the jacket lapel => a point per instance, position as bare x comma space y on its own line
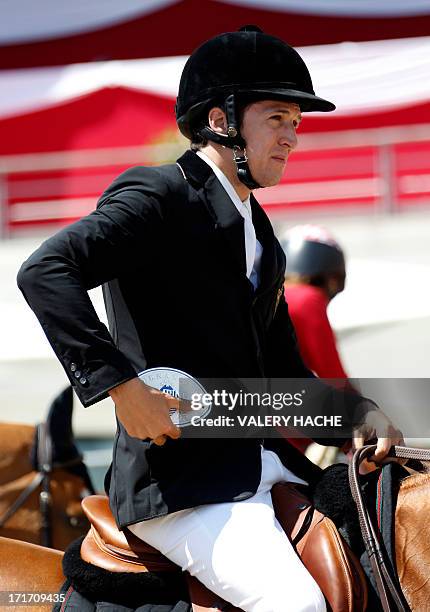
230, 224
270, 258
227, 219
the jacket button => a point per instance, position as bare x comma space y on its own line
73, 367
83, 380
78, 374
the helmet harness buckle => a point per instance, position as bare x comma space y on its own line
239, 155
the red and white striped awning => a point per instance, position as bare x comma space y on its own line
358, 76
129, 102
65, 132
50, 33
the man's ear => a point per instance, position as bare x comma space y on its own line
217, 120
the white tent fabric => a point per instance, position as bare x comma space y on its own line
359, 77
35, 88
48, 19
53, 19
349, 8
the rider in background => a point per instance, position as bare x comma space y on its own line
315, 274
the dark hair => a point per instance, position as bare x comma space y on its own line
197, 140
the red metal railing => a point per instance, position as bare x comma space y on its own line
386, 169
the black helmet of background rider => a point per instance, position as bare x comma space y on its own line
314, 258
233, 70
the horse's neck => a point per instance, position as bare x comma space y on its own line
30, 568
412, 539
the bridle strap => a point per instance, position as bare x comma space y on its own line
31, 487
21, 499
44, 458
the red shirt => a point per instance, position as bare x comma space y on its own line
307, 306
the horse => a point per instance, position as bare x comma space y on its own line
43, 479
412, 551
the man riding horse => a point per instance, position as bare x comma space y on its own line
192, 276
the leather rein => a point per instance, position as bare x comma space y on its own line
42, 478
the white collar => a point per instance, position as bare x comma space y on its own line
231, 191
253, 248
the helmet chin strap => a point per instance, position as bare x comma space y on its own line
233, 140
242, 168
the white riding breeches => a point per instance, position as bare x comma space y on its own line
238, 549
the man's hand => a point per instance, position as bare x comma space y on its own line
144, 411
377, 425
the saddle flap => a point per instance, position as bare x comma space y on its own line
114, 550
321, 548
97, 510
335, 568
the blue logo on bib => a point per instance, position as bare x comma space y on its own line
169, 390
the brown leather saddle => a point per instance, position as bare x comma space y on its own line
314, 536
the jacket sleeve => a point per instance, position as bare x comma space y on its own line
98, 248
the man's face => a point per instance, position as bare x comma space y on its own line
269, 129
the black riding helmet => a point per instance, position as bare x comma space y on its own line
313, 253
241, 67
